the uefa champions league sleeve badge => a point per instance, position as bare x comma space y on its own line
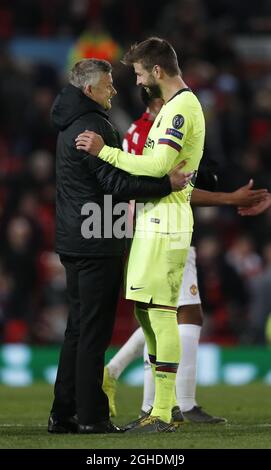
178, 121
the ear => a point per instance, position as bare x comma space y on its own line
157, 71
88, 90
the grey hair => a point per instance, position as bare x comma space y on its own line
88, 72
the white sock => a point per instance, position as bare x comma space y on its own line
187, 370
149, 387
131, 350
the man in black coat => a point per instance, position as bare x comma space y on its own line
93, 264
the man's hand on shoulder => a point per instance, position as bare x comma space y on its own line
178, 179
90, 142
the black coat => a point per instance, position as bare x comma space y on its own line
81, 178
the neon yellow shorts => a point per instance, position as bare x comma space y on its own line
155, 267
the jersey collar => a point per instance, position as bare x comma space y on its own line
179, 92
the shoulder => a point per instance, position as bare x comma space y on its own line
96, 123
184, 109
93, 122
184, 100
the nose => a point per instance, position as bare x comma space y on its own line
114, 91
138, 81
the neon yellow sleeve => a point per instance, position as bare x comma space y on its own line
157, 165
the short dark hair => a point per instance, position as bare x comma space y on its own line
153, 51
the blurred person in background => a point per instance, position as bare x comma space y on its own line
243, 257
260, 307
49, 327
224, 294
18, 256
5, 291
93, 263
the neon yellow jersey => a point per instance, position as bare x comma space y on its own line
177, 134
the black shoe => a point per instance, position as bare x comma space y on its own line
176, 414
105, 427
199, 416
57, 425
136, 422
149, 424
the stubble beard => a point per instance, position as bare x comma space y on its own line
154, 91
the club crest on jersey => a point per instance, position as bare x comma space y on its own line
178, 121
193, 289
159, 122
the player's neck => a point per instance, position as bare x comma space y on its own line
171, 86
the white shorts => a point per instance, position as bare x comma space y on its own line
189, 292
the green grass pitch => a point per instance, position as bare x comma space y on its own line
24, 414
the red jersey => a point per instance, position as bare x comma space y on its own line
133, 142
135, 138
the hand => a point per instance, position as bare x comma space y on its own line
90, 142
245, 196
178, 179
256, 209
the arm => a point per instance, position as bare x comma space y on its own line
120, 184
243, 196
125, 186
157, 163
257, 208
145, 165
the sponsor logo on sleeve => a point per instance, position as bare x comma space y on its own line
174, 132
178, 121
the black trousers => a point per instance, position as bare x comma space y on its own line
93, 288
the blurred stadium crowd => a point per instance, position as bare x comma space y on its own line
224, 59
